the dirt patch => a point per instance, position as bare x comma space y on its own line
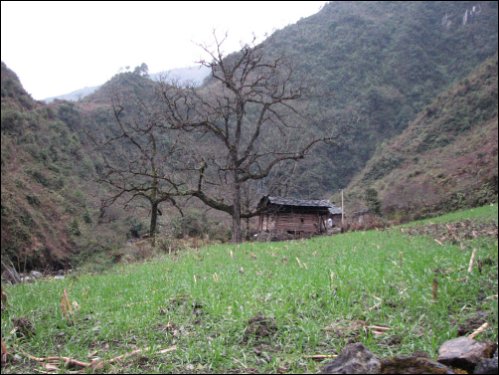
183, 303
454, 232
178, 301
412, 365
472, 323
390, 341
350, 330
173, 329
245, 370
23, 327
260, 327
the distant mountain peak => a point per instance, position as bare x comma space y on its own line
188, 75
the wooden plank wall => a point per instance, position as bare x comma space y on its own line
298, 222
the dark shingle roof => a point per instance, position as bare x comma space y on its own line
322, 203
335, 210
299, 202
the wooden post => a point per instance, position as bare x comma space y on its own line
342, 210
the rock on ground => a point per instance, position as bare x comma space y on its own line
354, 359
487, 366
413, 365
464, 353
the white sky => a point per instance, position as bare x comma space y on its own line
59, 47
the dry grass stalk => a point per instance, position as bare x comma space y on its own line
54, 363
434, 289
4, 353
321, 357
472, 260
4, 300
66, 308
479, 330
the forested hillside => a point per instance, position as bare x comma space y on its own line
446, 159
373, 66
50, 197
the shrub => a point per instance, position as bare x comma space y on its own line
33, 200
372, 201
74, 228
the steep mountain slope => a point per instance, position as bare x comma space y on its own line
447, 157
374, 65
50, 201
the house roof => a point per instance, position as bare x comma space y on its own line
335, 210
364, 211
295, 202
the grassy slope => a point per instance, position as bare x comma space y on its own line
336, 281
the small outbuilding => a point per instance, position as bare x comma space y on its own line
301, 217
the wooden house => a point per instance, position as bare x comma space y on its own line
361, 217
300, 217
365, 219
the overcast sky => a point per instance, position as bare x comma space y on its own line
59, 47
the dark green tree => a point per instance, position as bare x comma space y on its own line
372, 201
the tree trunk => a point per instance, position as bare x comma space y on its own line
236, 213
248, 229
154, 220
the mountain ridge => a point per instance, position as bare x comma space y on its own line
188, 75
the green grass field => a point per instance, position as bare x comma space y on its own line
317, 295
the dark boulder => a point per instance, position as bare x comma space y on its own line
464, 353
354, 359
487, 366
413, 365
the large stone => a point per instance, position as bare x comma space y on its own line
463, 352
36, 274
354, 359
11, 275
487, 366
413, 365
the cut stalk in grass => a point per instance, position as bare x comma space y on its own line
320, 357
472, 260
434, 289
479, 330
53, 363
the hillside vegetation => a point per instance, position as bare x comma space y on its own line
446, 159
373, 67
369, 69
50, 198
263, 307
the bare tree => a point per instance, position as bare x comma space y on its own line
243, 123
145, 161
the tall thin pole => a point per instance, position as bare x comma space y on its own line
342, 210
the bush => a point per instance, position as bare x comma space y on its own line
33, 200
372, 201
196, 224
12, 122
86, 217
39, 177
74, 228
137, 229
192, 224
